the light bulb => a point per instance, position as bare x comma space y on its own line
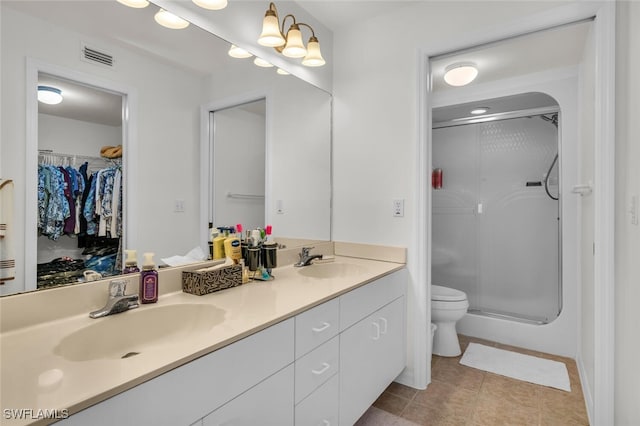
294, 47
169, 20
314, 56
211, 4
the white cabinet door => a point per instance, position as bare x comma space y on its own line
372, 354
269, 403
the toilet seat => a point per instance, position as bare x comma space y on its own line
446, 294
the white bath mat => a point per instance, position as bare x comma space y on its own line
529, 368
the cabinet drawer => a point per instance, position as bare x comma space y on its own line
364, 300
268, 403
321, 408
316, 326
316, 367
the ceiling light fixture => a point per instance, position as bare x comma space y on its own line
479, 110
460, 73
169, 20
290, 45
237, 52
49, 95
211, 4
137, 4
282, 72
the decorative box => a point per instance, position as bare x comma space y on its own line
203, 281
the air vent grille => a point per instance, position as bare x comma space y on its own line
93, 55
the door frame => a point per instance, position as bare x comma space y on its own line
129, 156
601, 408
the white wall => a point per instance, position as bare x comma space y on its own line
167, 139
68, 136
375, 126
627, 314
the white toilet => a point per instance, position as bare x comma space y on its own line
448, 305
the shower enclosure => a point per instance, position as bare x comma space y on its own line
496, 218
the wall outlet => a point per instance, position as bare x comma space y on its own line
398, 208
279, 207
179, 206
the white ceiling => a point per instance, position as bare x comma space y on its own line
136, 29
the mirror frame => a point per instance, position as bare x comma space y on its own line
129, 157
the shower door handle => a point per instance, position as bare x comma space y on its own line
583, 189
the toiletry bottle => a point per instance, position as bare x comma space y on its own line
148, 280
232, 249
130, 262
218, 245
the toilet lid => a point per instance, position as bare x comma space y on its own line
447, 294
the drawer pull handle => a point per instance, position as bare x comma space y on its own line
322, 328
376, 326
324, 368
384, 325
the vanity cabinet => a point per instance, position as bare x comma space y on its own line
192, 391
324, 367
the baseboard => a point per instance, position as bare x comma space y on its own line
586, 390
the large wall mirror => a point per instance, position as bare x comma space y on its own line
172, 80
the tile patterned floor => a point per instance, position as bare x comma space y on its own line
463, 396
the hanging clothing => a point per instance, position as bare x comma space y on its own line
73, 203
7, 257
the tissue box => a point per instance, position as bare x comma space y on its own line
200, 282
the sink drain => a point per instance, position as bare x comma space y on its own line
129, 354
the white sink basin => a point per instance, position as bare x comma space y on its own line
138, 330
330, 270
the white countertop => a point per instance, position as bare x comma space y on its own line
34, 377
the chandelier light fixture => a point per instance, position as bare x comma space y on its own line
290, 45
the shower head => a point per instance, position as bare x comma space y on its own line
553, 119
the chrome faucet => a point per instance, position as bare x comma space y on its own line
118, 301
306, 258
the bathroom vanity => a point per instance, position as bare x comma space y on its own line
315, 346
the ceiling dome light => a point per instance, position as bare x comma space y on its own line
237, 52
211, 4
137, 4
262, 63
169, 20
479, 110
49, 95
460, 73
